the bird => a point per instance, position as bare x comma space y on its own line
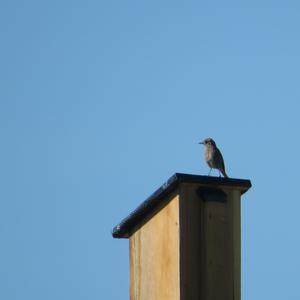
213, 156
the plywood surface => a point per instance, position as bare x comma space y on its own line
189, 250
154, 256
191, 244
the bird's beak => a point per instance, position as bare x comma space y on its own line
201, 143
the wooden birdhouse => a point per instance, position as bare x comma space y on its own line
185, 240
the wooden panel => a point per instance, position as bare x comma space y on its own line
218, 250
154, 256
209, 245
191, 243
189, 249
222, 247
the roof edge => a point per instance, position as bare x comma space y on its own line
125, 227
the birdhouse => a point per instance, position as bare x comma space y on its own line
185, 240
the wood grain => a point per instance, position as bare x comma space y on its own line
189, 249
154, 256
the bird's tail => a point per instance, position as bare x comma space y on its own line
223, 173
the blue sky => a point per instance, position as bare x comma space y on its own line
102, 101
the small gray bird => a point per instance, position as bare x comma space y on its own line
213, 156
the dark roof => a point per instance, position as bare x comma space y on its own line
125, 227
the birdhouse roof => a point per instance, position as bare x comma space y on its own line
125, 228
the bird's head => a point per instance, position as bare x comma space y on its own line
208, 142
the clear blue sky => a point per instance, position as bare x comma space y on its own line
102, 101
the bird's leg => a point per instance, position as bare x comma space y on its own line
209, 172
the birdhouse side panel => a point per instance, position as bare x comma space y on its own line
154, 256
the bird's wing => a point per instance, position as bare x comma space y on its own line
221, 160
